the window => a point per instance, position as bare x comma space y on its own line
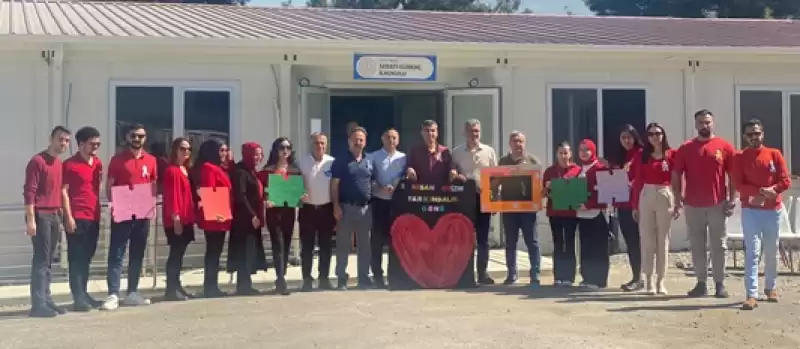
166, 112
596, 113
779, 111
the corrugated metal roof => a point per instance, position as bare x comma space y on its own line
190, 21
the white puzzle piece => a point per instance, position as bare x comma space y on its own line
613, 187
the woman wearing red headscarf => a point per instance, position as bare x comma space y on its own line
178, 214
592, 225
246, 246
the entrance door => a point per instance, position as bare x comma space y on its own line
482, 104
315, 115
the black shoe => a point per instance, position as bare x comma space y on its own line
281, 288
248, 292
379, 282
364, 283
485, 280
342, 284
174, 296
720, 291
94, 303
510, 279
52, 305
324, 284
308, 285
82, 306
699, 290
633, 286
42, 312
185, 293
213, 292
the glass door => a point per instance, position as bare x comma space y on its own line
482, 104
315, 115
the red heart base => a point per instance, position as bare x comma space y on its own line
434, 258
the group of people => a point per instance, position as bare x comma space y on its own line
351, 194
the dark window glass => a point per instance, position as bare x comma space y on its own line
621, 107
766, 106
207, 114
149, 106
574, 116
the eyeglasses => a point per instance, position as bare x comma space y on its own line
285, 147
651, 134
223, 150
94, 144
138, 136
186, 148
752, 134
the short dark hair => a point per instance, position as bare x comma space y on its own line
357, 129
429, 123
85, 134
59, 130
702, 113
133, 127
752, 123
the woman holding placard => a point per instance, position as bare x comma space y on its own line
653, 203
563, 223
630, 146
592, 225
280, 215
214, 184
178, 214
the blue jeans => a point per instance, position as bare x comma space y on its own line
136, 232
761, 228
512, 224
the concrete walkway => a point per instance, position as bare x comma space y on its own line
17, 295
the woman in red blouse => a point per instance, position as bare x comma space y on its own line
280, 219
592, 224
178, 214
653, 203
630, 145
210, 173
563, 223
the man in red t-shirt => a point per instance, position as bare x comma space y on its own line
131, 166
82, 174
705, 162
42, 195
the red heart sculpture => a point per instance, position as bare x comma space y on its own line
434, 258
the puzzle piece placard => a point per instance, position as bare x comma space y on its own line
285, 191
568, 194
613, 187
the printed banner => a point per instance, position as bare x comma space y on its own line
432, 236
511, 189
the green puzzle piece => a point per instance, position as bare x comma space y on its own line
568, 193
285, 191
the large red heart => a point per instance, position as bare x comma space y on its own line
434, 258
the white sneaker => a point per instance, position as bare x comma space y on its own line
557, 283
111, 303
134, 299
661, 289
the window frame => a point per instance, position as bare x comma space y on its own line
599, 88
179, 89
786, 117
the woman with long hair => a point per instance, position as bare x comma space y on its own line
630, 146
280, 219
210, 173
246, 246
563, 223
653, 203
178, 214
592, 225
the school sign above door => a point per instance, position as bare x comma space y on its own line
394, 67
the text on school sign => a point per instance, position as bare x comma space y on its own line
394, 68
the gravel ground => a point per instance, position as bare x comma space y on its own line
488, 317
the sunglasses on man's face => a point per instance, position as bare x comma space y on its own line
94, 144
753, 134
138, 136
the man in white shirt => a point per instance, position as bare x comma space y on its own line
390, 165
316, 216
469, 159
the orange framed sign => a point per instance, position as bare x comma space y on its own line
511, 188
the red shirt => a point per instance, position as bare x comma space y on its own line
125, 169
431, 168
83, 186
704, 165
756, 168
42, 187
554, 172
177, 198
658, 172
213, 176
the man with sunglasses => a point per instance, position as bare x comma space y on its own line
761, 176
129, 167
82, 175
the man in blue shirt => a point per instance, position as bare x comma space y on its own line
351, 188
390, 167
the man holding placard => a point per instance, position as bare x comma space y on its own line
468, 160
132, 175
520, 221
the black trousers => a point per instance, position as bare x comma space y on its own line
594, 235
316, 227
380, 235
177, 249
563, 229
630, 232
215, 241
81, 246
44, 249
280, 223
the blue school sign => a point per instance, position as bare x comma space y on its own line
394, 67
